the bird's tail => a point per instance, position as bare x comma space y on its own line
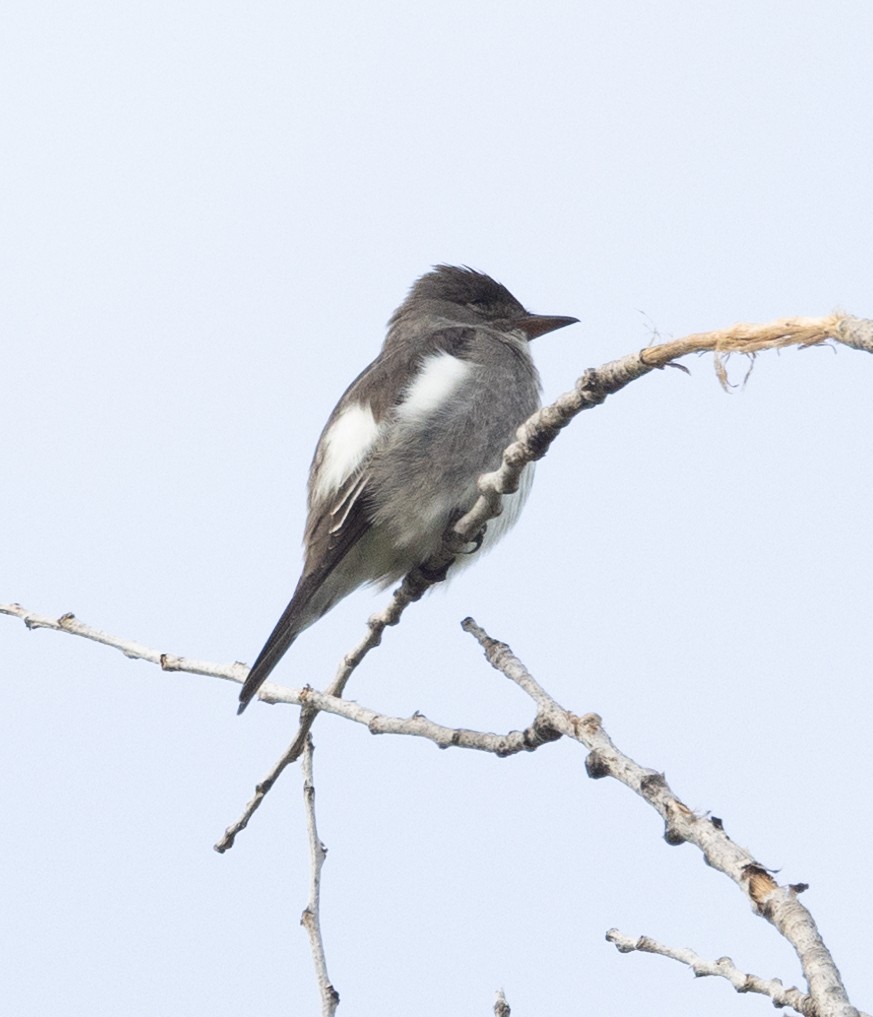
317, 592
325, 581
281, 638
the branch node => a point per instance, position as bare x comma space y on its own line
539, 733
596, 766
590, 389
652, 784
501, 1007
590, 724
673, 836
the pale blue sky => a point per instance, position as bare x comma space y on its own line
208, 213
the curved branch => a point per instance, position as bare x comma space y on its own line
778, 904
724, 967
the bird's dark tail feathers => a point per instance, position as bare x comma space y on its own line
296, 617
320, 587
281, 638
316, 594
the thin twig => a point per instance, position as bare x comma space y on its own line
403, 596
724, 967
419, 726
311, 917
69, 623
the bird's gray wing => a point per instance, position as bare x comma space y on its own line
335, 522
338, 512
330, 535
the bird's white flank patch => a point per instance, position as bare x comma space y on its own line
439, 377
348, 440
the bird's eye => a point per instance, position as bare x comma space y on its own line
480, 303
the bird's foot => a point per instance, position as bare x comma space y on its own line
476, 542
437, 573
450, 537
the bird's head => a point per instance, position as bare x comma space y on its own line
465, 296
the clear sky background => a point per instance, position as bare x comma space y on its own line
209, 211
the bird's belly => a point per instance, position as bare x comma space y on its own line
399, 543
496, 529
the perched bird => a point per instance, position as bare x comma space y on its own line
399, 457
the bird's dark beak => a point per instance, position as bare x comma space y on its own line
534, 325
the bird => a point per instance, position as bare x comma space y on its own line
399, 457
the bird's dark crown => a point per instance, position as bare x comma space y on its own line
465, 287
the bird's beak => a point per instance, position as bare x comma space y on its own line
534, 325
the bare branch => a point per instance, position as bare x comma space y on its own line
724, 967
778, 904
136, 651
418, 725
536, 435
508, 744
311, 917
408, 591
